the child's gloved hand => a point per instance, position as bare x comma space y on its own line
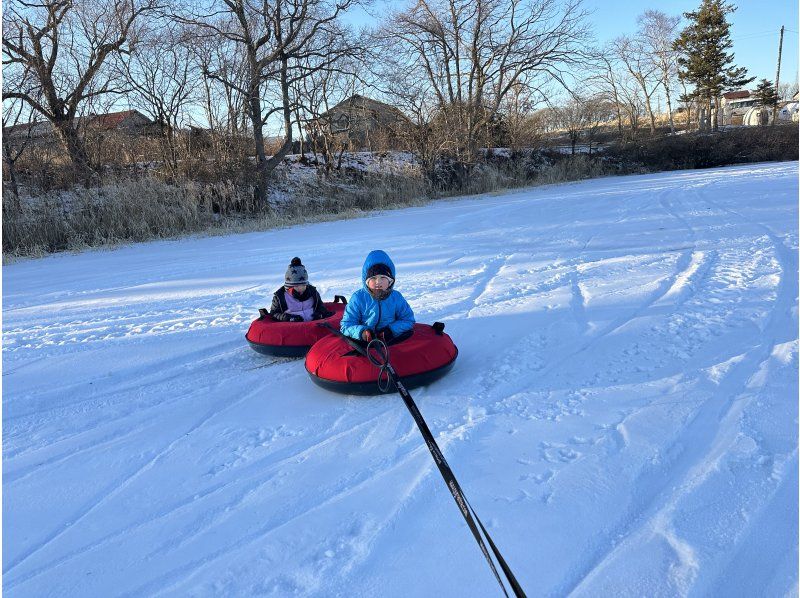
385, 334
295, 318
367, 335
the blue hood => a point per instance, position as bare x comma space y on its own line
376, 257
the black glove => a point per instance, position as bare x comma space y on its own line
386, 334
295, 318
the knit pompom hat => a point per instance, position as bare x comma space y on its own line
296, 273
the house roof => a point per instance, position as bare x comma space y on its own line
736, 95
366, 102
34, 129
112, 120
105, 122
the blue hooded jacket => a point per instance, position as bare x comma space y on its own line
364, 311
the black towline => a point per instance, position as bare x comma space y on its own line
469, 514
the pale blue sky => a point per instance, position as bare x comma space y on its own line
755, 28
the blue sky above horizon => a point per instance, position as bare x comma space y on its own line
755, 28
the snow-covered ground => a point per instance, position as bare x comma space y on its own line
622, 415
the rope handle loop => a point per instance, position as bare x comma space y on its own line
381, 361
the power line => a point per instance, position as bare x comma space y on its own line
754, 35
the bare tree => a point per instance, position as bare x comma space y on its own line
656, 37
632, 55
276, 39
787, 91
65, 45
581, 117
518, 108
157, 72
18, 127
471, 54
688, 99
607, 80
219, 61
317, 94
633, 103
318, 87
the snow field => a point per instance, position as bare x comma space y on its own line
622, 414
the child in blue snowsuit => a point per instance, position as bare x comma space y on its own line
376, 310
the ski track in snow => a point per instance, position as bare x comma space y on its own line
622, 414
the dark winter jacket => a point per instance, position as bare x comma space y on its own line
364, 312
278, 309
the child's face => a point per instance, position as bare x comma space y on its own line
378, 283
300, 289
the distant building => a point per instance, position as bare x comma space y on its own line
734, 105
126, 121
790, 111
362, 123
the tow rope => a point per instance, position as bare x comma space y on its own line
377, 353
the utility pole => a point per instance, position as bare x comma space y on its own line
777, 81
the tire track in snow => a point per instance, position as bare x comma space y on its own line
490, 270
416, 452
133, 379
663, 287
16, 427
251, 476
109, 439
122, 327
118, 486
659, 489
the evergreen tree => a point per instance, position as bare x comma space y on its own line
704, 60
765, 94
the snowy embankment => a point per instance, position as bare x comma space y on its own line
622, 415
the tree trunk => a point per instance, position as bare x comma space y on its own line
12, 172
254, 101
270, 164
651, 115
260, 191
76, 149
669, 110
713, 114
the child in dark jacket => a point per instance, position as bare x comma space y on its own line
296, 300
376, 309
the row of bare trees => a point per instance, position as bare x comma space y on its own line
239, 62
237, 66
632, 71
466, 73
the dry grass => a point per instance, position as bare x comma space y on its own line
141, 209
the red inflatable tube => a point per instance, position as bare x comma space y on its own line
290, 339
419, 360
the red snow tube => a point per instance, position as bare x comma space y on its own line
292, 339
419, 360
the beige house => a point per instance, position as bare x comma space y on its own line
734, 105
361, 123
